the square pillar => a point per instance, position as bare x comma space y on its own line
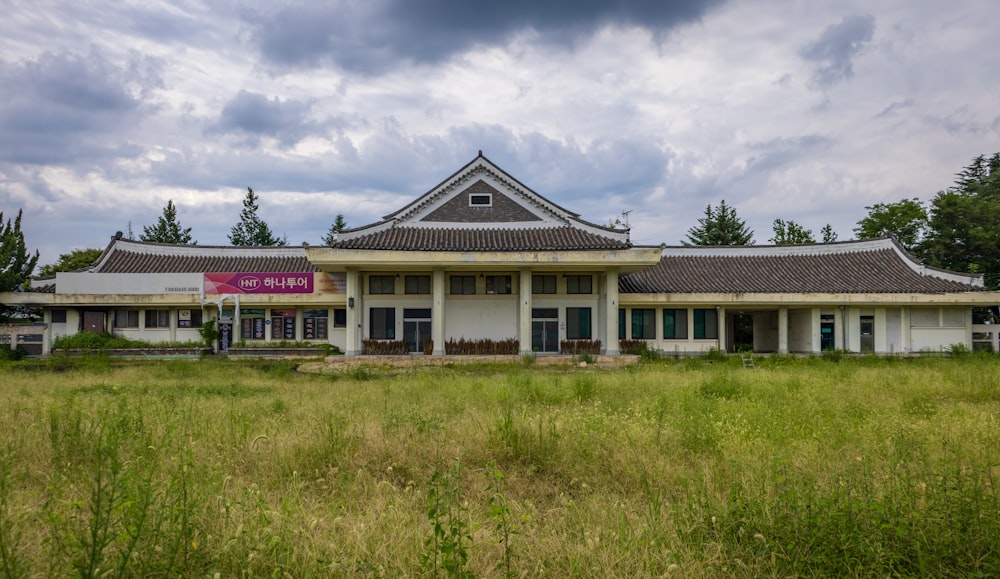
722, 328
524, 312
610, 309
437, 312
355, 316
783, 331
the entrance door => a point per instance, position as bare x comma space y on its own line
545, 329
827, 337
416, 328
867, 334
94, 322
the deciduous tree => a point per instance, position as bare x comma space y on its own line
790, 233
72, 261
963, 230
721, 226
906, 220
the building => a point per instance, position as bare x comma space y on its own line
483, 258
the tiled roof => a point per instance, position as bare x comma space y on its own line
134, 257
877, 270
130, 262
497, 239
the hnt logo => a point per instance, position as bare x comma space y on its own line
249, 283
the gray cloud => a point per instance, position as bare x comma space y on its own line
835, 49
62, 106
380, 35
254, 115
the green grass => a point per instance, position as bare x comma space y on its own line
691, 468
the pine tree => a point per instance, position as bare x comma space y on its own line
252, 230
338, 225
720, 227
16, 264
167, 229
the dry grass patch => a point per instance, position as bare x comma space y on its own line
673, 468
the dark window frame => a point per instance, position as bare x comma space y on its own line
463, 283
505, 281
676, 326
706, 324
543, 284
646, 329
417, 284
382, 323
574, 323
381, 285
580, 284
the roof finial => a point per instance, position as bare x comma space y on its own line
480, 152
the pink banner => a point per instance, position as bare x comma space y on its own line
259, 283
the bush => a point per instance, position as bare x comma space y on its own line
580, 347
484, 347
383, 347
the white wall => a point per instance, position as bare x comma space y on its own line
492, 317
800, 331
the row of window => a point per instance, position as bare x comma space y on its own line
253, 322
675, 324
155, 318
466, 284
382, 321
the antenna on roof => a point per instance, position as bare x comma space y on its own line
625, 216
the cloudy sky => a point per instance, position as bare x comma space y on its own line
802, 110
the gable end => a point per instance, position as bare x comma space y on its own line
469, 207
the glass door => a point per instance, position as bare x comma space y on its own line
545, 330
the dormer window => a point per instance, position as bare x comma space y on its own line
481, 200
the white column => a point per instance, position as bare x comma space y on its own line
352, 343
722, 328
437, 311
611, 306
815, 330
881, 345
524, 318
906, 334
782, 330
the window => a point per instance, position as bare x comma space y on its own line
315, 324
643, 324
381, 284
339, 318
157, 318
621, 324
543, 284
579, 284
463, 285
706, 325
578, 324
252, 324
924, 318
498, 284
383, 323
480, 200
282, 324
675, 324
58, 316
189, 318
126, 318
417, 284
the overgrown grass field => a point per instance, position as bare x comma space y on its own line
799, 467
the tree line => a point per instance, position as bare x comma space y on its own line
959, 230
